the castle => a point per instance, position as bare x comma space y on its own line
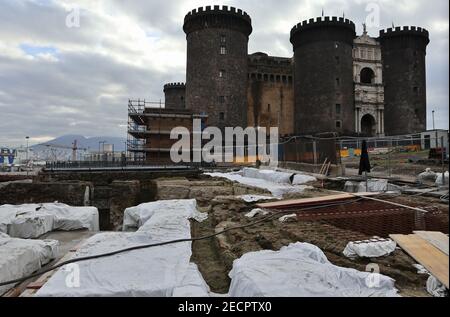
335, 82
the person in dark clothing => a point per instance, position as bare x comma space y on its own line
364, 163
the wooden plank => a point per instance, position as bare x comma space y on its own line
312, 201
438, 239
434, 260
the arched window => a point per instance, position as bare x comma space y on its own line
367, 76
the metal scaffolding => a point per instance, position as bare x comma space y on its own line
137, 128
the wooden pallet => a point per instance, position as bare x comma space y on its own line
426, 254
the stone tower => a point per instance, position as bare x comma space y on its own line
403, 52
323, 75
175, 96
217, 64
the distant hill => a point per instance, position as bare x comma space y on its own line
89, 143
56, 146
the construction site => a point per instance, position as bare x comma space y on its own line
395, 226
353, 205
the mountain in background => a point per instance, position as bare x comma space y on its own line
92, 144
61, 148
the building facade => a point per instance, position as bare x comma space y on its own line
369, 86
336, 82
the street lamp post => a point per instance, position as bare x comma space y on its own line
434, 126
435, 131
26, 155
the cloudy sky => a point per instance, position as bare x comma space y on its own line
57, 80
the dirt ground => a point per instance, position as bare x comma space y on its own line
215, 256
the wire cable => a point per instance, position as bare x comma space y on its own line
146, 246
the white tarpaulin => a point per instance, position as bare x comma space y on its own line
300, 179
302, 270
193, 284
428, 175
288, 218
373, 186
268, 175
440, 179
158, 271
256, 212
20, 257
276, 189
370, 249
436, 288
255, 198
135, 217
33, 220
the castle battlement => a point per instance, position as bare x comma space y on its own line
322, 21
405, 30
224, 10
218, 17
174, 86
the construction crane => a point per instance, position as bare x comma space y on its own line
74, 149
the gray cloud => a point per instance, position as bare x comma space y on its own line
129, 49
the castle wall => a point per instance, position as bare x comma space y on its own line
271, 93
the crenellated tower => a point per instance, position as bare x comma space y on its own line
404, 68
175, 96
217, 64
323, 75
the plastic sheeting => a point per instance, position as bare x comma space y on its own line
33, 220
440, 179
193, 284
288, 218
135, 217
436, 288
255, 198
256, 212
302, 270
370, 248
428, 175
268, 175
161, 271
373, 185
20, 257
300, 179
276, 189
